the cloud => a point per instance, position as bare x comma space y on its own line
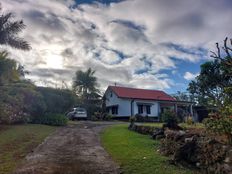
128, 42
190, 76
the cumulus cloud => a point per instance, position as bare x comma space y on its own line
128, 42
190, 76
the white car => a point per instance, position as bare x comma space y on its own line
77, 113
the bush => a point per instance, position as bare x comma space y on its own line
168, 116
219, 124
57, 100
189, 120
51, 119
140, 118
98, 116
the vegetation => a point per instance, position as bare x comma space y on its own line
183, 125
58, 101
212, 86
85, 83
9, 31
220, 124
135, 152
86, 87
16, 141
51, 119
99, 116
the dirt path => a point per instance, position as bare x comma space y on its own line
74, 149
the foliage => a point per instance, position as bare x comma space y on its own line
189, 120
9, 31
168, 116
210, 87
219, 124
16, 141
132, 119
140, 118
51, 119
85, 84
19, 101
136, 153
98, 116
22, 101
57, 100
8, 69
183, 96
86, 87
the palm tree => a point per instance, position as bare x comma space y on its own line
85, 84
9, 31
8, 69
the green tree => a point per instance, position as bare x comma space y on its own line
86, 87
9, 31
8, 69
211, 86
85, 84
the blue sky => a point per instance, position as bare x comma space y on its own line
133, 43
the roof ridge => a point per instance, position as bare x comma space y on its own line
138, 88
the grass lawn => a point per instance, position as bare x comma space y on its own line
136, 153
18, 140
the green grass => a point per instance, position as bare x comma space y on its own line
17, 141
136, 153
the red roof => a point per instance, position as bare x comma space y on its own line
144, 94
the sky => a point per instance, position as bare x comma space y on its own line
152, 44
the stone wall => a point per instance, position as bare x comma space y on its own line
191, 148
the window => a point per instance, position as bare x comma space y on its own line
148, 108
111, 94
140, 109
108, 110
115, 110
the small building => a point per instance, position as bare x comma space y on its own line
123, 102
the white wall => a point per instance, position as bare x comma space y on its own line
154, 107
124, 105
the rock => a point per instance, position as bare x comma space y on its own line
158, 133
197, 151
227, 160
158, 137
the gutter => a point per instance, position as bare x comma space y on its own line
132, 101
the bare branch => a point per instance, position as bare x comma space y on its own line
219, 52
214, 55
226, 48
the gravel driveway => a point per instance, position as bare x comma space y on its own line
74, 149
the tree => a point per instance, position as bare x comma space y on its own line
8, 69
215, 78
183, 96
85, 84
9, 31
86, 87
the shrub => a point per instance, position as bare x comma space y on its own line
132, 119
168, 116
140, 118
57, 100
98, 116
219, 124
51, 119
189, 120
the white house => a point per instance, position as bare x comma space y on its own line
124, 102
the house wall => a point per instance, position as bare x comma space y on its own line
124, 105
154, 107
